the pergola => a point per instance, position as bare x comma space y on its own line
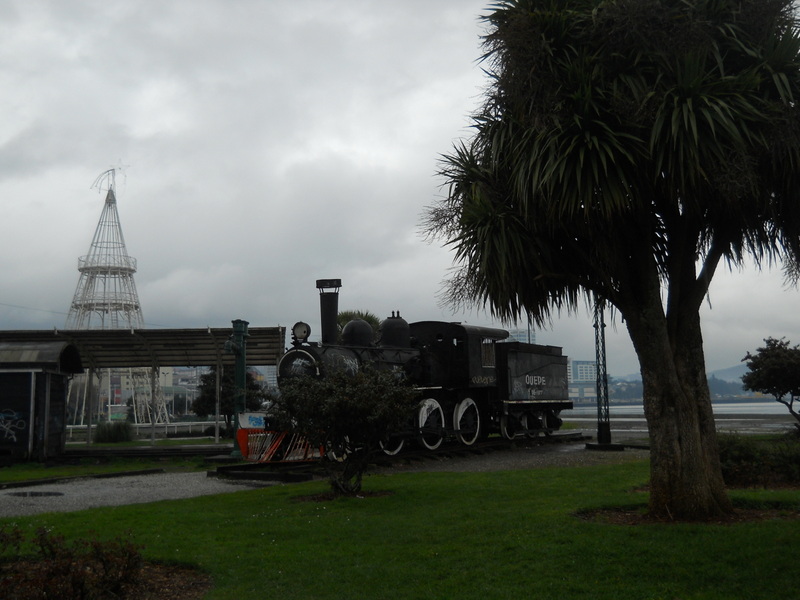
156, 348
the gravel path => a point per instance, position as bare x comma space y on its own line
90, 492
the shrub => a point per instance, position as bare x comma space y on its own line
348, 414
224, 431
82, 570
748, 461
111, 433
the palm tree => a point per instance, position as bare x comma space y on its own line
345, 316
624, 150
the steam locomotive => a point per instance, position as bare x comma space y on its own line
471, 381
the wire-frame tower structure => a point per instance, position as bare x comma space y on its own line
106, 298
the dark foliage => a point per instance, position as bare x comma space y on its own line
347, 415
206, 403
775, 370
720, 388
111, 433
83, 570
751, 462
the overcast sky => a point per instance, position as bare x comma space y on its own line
263, 145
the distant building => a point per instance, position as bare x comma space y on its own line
583, 370
271, 376
583, 381
527, 336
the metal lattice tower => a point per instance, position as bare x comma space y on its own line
106, 297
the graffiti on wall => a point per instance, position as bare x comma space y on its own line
10, 423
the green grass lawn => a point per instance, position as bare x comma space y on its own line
30, 471
456, 535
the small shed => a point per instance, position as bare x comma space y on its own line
34, 380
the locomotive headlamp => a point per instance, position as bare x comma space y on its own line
301, 331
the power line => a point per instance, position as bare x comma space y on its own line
44, 310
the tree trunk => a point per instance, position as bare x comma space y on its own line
685, 474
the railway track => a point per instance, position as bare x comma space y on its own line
186, 451
298, 471
226, 466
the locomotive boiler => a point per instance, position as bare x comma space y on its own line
472, 381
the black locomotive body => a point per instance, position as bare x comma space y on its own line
471, 381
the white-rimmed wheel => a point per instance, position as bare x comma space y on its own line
430, 420
535, 424
553, 420
392, 446
338, 452
467, 421
513, 425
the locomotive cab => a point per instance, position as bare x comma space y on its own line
459, 356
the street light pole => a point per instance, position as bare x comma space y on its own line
603, 416
237, 344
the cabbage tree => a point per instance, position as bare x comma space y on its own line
627, 149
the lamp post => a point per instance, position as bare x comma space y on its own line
603, 416
237, 344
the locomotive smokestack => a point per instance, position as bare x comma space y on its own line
328, 308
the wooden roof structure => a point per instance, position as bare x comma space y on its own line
154, 348
50, 355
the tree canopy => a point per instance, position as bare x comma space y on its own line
349, 415
206, 403
345, 316
775, 370
619, 137
625, 149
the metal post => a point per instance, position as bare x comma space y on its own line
238, 345
87, 394
218, 391
603, 418
153, 384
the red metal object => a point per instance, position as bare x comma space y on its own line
259, 445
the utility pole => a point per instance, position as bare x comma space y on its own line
237, 344
603, 415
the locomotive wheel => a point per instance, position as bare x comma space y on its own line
430, 420
554, 422
511, 425
392, 446
337, 452
467, 421
535, 422
505, 431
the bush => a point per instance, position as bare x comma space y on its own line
224, 431
82, 570
111, 433
347, 414
748, 461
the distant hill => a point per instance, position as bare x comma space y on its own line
730, 387
731, 374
